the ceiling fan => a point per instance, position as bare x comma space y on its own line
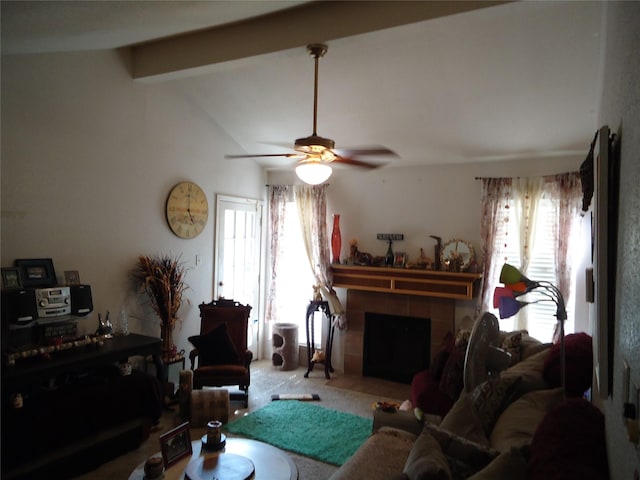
315, 153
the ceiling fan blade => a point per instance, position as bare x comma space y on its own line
355, 162
365, 151
287, 155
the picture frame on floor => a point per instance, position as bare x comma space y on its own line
175, 444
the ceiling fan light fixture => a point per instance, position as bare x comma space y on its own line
314, 144
313, 173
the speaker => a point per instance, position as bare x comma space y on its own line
81, 300
19, 306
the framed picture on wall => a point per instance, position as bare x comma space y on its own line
605, 253
71, 277
11, 278
37, 272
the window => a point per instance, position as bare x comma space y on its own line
533, 224
539, 318
295, 279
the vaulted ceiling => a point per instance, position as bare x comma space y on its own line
437, 82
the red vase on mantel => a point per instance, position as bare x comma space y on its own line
336, 239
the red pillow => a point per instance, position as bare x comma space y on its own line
569, 443
578, 364
440, 358
452, 380
426, 394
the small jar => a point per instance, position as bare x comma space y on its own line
214, 432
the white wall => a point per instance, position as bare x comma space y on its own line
620, 109
88, 159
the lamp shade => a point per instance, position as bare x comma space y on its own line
313, 173
509, 306
510, 274
500, 292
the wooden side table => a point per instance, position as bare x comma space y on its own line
313, 307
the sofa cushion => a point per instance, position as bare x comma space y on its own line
530, 346
509, 465
490, 398
215, 347
465, 457
578, 364
463, 421
517, 424
426, 460
570, 442
381, 457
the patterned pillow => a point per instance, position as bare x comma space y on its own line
490, 398
511, 344
462, 338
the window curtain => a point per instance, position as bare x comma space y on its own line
566, 192
278, 195
495, 199
312, 210
511, 203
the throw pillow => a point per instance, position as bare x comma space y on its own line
490, 398
463, 421
517, 424
511, 344
462, 338
215, 347
578, 364
452, 380
440, 358
530, 371
426, 460
570, 442
509, 465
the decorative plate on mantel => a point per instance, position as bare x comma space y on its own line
456, 255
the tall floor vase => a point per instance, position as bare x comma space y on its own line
336, 239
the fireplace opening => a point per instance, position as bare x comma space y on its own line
395, 347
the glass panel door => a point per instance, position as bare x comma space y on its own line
237, 255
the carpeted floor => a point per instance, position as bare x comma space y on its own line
349, 394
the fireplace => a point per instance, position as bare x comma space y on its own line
437, 313
395, 347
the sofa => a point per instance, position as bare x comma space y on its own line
519, 424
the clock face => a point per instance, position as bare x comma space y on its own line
187, 210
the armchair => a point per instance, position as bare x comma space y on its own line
221, 351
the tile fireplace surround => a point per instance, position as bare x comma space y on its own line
441, 312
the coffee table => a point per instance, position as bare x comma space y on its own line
270, 462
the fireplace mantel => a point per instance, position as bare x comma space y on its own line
425, 283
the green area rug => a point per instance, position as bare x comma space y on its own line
307, 429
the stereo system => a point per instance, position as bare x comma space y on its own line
20, 307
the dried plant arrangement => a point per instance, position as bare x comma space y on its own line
161, 277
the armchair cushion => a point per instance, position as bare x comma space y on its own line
215, 347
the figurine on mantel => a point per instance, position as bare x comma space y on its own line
356, 257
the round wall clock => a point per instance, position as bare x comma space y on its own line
187, 210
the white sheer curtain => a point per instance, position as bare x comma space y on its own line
278, 195
312, 210
511, 214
